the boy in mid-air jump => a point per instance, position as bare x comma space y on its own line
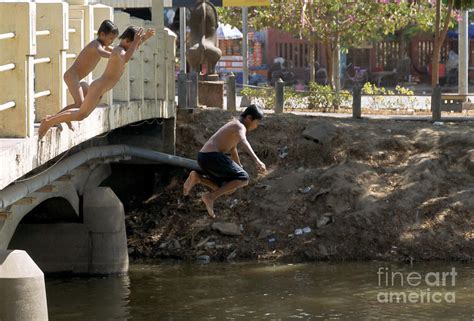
86, 61
121, 54
221, 173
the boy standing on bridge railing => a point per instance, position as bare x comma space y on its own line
86, 61
131, 39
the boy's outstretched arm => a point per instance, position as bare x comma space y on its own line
136, 42
149, 33
243, 139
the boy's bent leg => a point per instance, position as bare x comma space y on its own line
195, 178
87, 107
78, 90
210, 198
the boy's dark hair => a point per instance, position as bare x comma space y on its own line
107, 27
129, 33
253, 111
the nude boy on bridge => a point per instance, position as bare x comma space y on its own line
86, 61
131, 39
223, 174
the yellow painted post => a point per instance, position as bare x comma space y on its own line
76, 41
102, 13
160, 64
148, 64
16, 58
136, 68
78, 9
53, 18
122, 88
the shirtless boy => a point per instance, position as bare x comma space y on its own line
87, 60
121, 54
221, 173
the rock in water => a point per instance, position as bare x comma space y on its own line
231, 229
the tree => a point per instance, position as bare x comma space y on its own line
437, 16
334, 23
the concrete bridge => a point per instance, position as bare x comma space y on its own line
61, 173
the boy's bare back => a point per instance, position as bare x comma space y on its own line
226, 138
87, 60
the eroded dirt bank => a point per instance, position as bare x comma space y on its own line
367, 190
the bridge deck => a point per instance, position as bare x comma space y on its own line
20, 156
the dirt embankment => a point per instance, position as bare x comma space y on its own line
367, 190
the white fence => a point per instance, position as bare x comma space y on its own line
40, 40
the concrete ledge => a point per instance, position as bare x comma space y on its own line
20, 156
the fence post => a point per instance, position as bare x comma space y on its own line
137, 88
357, 101
193, 89
16, 72
49, 76
121, 90
279, 96
231, 93
182, 90
99, 14
436, 103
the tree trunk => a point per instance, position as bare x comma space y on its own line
435, 63
329, 63
312, 64
336, 54
440, 35
437, 47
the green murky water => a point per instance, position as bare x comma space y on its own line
249, 291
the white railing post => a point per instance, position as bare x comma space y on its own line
17, 54
122, 88
80, 10
171, 68
136, 68
148, 65
52, 18
102, 13
160, 64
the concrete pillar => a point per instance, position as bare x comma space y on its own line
182, 90
160, 61
136, 68
22, 289
169, 136
245, 52
436, 103
182, 38
122, 88
49, 76
231, 93
16, 59
157, 14
104, 217
279, 96
193, 90
148, 56
170, 65
463, 49
357, 101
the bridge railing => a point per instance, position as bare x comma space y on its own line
40, 40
